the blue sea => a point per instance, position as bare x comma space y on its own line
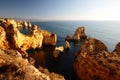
106, 31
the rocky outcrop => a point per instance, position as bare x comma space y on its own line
117, 48
94, 62
79, 34
12, 37
49, 38
14, 67
3, 39
67, 45
53, 76
68, 38
59, 48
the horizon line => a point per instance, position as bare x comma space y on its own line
45, 20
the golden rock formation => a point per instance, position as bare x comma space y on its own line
94, 62
79, 34
14, 67
11, 36
49, 38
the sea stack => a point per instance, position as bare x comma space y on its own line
95, 62
79, 34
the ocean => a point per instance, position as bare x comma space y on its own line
106, 31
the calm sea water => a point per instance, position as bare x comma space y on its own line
106, 31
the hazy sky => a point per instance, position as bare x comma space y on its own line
61, 9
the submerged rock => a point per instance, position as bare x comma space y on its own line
94, 62
14, 67
11, 37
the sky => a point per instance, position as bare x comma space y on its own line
48, 10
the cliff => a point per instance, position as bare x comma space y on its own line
14, 67
13, 38
95, 62
13, 46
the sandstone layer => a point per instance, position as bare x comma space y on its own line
12, 37
14, 67
95, 62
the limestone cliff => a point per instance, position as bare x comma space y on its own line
11, 36
94, 62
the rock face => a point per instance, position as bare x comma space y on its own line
14, 67
94, 62
79, 34
49, 38
117, 48
67, 45
68, 38
11, 37
3, 39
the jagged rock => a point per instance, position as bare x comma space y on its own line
92, 46
79, 33
14, 67
11, 37
53, 76
117, 48
49, 38
60, 48
67, 45
19, 41
68, 38
94, 62
3, 40
57, 51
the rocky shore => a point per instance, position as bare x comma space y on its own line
95, 62
13, 38
14, 67
14, 64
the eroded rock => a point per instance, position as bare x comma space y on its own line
68, 38
67, 45
94, 62
79, 34
117, 48
49, 38
3, 40
14, 67
11, 37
